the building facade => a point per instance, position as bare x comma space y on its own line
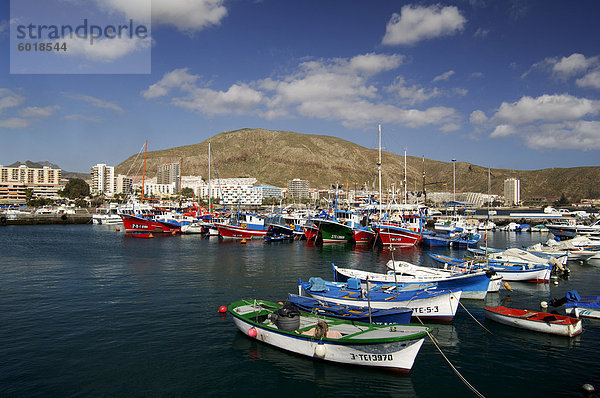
123, 184
103, 180
512, 191
169, 173
14, 181
298, 189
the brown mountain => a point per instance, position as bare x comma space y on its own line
274, 157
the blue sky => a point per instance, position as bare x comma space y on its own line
504, 84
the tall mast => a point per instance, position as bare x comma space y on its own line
144, 172
424, 192
209, 185
379, 168
405, 182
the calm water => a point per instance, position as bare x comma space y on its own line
85, 310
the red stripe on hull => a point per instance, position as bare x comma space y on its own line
363, 237
397, 237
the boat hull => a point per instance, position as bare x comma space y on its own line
395, 354
234, 232
362, 236
333, 232
535, 321
134, 224
397, 236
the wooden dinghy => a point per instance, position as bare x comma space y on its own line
392, 347
534, 320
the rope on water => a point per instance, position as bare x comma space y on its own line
475, 319
460, 376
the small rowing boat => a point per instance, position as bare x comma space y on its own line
392, 347
534, 320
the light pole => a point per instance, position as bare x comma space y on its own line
454, 184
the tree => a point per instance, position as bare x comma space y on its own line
187, 192
76, 188
563, 200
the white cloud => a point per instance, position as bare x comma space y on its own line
503, 130
573, 64
478, 117
102, 50
76, 116
238, 99
3, 26
550, 121
591, 80
9, 99
96, 102
444, 76
15, 123
582, 135
481, 33
546, 108
178, 78
416, 23
33, 111
340, 89
185, 15
411, 94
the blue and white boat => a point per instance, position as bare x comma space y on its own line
427, 302
352, 313
474, 284
455, 239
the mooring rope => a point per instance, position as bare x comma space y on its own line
460, 376
475, 319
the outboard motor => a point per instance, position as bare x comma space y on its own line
287, 317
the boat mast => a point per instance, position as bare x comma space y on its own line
405, 182
209, 185
379, 168
144, 172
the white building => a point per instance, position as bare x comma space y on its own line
45, 182
512, 191
123, 184
153, 189
103, 180
298, 189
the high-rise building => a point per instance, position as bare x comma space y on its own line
123, 184
44, 182
298, 189
103, 180
512, 191
169, 173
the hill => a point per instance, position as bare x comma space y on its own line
274, 157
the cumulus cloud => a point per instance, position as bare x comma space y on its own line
102, 50
15, 123
77, 116
33, 111
444, 76
187, 16
96, 102
547, 108
9, 99
550, 121
565, 67
411, 94
340, 89
415, 23
590, 80
478, 117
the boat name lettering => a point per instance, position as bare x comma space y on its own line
139, 226
337, 237
372, 357
426, 310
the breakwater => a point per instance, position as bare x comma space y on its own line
45, 219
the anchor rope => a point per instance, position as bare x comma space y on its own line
475, 319
460, 376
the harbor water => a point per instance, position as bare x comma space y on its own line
88, 311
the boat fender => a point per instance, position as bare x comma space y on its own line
507, 286
252, 332
2, 220
320, 350
63, 217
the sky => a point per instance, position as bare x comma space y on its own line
501, 84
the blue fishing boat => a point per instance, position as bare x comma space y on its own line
581, 307
426, 301
454, 239
378, 316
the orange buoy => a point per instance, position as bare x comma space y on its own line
243, 242
507, 287
118, 229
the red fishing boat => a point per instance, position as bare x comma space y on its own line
311, 232
535, 320
363, 236
240, 232
135, 224
395, 235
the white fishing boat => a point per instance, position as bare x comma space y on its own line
534, 320
391, 347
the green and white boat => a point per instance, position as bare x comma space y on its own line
391, 347
332, 231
